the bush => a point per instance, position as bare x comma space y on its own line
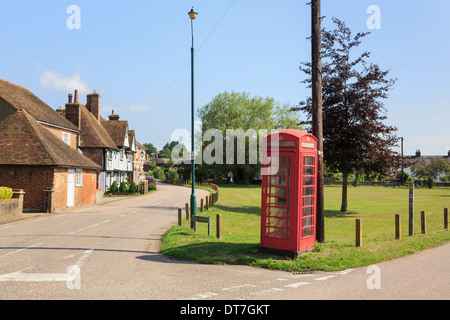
133, 187
114, 187
5, 193
123, 187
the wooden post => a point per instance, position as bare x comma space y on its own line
411, 209
207, 203
446, 218
201, 204
423, 220
358, 232
210, 200
180, 217
398, 227
219, 226
187, 211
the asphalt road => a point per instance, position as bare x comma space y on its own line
110, 251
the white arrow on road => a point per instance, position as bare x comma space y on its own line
72, 274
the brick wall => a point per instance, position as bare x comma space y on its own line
96, 155
59, 134
60, 187
33, 181
85, 195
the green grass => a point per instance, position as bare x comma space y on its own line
376, 206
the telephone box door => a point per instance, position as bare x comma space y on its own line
278, 187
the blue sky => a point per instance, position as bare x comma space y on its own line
136, 54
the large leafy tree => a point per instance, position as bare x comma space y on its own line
240, 111
355, 136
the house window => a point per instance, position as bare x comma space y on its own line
122, 154
66, 137
79, 177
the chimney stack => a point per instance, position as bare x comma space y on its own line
73, 111
60, 111
114, 117
93, 104
418, 153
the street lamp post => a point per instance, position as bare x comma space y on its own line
192, 16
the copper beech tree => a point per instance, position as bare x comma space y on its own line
355, 137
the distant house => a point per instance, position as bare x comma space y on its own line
39, 154
119, 164
418, 158
139, 159
95, 141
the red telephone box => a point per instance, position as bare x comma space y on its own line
289, 189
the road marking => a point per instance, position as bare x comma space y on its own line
35, 220
347, 271
94, 225
20, 250
155, 204
298, 284
47, 277
239, 287
86, 209
325, 278
204, 295
267, 291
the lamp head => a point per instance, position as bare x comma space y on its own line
192, 14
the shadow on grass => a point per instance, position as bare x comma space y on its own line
339, 214
242, 209
217, 252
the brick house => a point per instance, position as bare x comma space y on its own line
39, 153
139, 159
51, 172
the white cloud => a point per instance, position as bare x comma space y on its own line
58, 82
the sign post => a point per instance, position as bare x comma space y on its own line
411, 209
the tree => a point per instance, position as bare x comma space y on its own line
355, 137
150, 148
240, 111
431, 171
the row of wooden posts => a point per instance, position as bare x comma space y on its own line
205, 204
398, 224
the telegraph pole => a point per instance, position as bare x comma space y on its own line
317, 123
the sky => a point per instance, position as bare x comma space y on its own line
136, 55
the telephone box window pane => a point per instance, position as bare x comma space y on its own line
307, 212
309, 191
285, 161
279, 192
282, 171
309, 161
307, 232
280, 181
309, 181
307, 222
309, 171
279, 212
308, 202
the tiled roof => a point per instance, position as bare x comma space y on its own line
117, 130
18, 97
23, 141
93, 134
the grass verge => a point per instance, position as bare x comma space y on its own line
376, 206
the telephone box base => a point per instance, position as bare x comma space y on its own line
284, 253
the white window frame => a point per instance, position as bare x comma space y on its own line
66, 137
79, 178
